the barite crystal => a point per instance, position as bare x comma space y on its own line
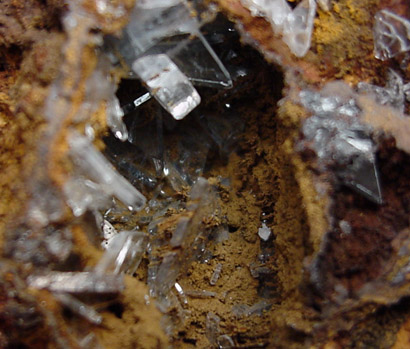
392, 94
167, 84
152, 21
295, 25
114, 119
162, 275
96, 166
298, 27
215, 275
77, 282
199, 62
79, 308
340, 140
264, 232
391, 34
123, 253
276, 11
82, 195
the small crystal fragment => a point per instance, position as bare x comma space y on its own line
152, 21
212, 328
200, 294
114, 119
77, 282
83, 194
108, 233
123, 253
391, 35
97, 167
80, 308
215, 275
181, 293
128, 108
298, 27
199, 62
392, 94
276, 11
264, 232
324, 4
225, 342
167, 84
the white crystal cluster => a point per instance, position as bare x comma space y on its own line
340, 140
295, 25
393, 94
391, 34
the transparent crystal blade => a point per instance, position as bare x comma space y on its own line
114, 119
77, 282
152, 21
97, 167
167, 84
80, 308
123, 253
363, 177
198, 61
391, 35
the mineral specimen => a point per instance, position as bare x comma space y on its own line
339, 140
166, 82
391, 35
295, 25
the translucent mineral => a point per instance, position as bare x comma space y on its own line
128, 108
200, 294
212, 328
298, 27
276, 11
324, 4
264, 232
100, 171
123, 253
199, 62
224, 342
79, 308
392, 94
167, 84
181, 293
215, 275
114, 119
338, 138
295, 25
77, 282
83, 194
391, 34
258, 308
152, 21
406, 89
108, 233
191, 235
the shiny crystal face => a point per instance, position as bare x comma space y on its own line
340, 140
391, 35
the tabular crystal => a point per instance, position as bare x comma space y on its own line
168, 84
